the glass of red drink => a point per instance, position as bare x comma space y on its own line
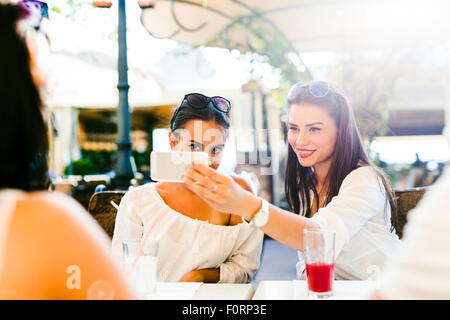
319, 258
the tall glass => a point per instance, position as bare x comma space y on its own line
319, 246
141, 267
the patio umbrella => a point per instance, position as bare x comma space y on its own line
306, 25
301, 26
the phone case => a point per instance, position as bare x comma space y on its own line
171, 166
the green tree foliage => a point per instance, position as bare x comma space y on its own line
69, 8
264, 42
80, 167
370, 81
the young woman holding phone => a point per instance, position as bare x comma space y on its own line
197, 242
330, 183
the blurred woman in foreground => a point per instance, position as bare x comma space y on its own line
50, 248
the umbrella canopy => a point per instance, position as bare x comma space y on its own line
339, 27
82, 68
307, 25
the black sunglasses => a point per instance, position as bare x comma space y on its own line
200, 101
318, 89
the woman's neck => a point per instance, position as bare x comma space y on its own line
321, 173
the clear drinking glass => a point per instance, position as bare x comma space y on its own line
141, 270
319, 246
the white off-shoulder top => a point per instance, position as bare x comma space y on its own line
187, 244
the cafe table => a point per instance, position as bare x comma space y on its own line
298, 290
201, 291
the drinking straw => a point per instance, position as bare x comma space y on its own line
122, 219
141, 248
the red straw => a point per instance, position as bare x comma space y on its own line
145, 240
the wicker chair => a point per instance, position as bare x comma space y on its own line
407, 199
101, 209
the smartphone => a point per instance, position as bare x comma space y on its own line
171, 165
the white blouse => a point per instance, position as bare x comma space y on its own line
360, 214
421, 267
187, 244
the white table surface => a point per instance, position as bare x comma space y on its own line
224, 291
297, 290
201, 291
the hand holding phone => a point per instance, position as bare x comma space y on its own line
171, 165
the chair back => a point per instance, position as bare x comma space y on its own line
407, 199
102, 210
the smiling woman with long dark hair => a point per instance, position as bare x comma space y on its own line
330, 183
347, 152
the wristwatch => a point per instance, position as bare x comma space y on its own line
261, 217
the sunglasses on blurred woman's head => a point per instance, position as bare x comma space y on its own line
318, 89
35, 5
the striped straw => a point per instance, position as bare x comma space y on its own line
141, 249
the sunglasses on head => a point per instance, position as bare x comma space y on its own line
200, 101
318, 89
36, 5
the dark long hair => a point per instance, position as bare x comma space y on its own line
23, 132
348, 152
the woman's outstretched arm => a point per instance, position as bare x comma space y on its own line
228, 196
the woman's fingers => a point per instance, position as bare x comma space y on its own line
203, 180
211, 173
201, 190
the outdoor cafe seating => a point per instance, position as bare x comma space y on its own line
117, 74
104, 212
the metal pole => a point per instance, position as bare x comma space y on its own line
255, 140
124, 168
274, 158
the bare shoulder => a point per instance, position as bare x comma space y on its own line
46, 225
53, 202
53, 205
54, 231
242, 182
59, 213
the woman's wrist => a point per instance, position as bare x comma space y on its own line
211, 275
254, 205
